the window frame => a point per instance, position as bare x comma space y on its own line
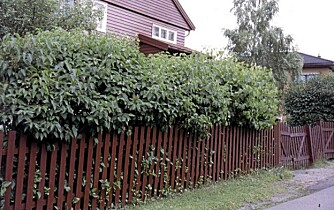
309, 76
167, 34
104, 21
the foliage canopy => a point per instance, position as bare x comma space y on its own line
257, 41
57, 84
310, 101
24, 16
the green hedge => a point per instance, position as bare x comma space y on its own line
310, 101
57, 84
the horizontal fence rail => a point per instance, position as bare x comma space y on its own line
112, 170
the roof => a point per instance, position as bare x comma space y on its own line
184, 15
164, 46
313, 61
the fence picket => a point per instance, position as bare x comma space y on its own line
119, 168
112, 169
20, 171
41, 184
203, 161
157, 166
62, 173
164, 166
179, 160
106, 147
31, 176
234, 145
211, 143
146, 153
237, 155
173, 173
224, 152
215, 152
198, 163
52, 176
206, 156
218, 153
193, 161
126, 170
97, 165
133, 163
170, 154
228, 152
154, 151
79, 171
9, 166
90, 150
184, 160
71, 194
189, 157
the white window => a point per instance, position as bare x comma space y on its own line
309, 76
164, 34
103, 6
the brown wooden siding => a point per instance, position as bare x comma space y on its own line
123, 21
165, 11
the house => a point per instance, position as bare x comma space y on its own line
159, 25
314, 66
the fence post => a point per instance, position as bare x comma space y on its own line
277, 136
309, 141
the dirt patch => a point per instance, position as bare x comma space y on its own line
303, 183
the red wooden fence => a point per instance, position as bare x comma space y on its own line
302, 145
117, 169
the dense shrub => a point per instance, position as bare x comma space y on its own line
57, 84
310, 101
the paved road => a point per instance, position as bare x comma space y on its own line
329, 182
322, 200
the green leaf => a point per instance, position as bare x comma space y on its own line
75, 200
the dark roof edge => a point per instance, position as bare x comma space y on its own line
153, 42
163, 45
184, 15
317, 57
318, 66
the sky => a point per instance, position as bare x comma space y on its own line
309, 22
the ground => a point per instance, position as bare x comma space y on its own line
259, 190
304, 182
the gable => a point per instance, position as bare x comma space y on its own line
168, 11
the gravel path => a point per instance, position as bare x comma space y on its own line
304, 182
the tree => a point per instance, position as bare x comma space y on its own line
23, 16
256, 41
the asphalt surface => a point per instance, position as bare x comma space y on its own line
320, 200
329, 182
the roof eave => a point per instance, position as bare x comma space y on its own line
163, 45
331, 66
184, 14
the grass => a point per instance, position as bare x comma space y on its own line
230, 194
320, 163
